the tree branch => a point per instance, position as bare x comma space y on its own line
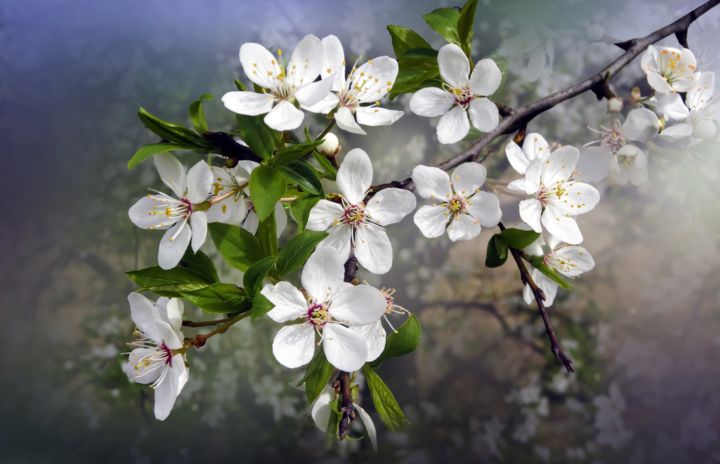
226, 146
342, 384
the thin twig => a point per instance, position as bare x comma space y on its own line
343, 379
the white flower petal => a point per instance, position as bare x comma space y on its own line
677, 131
468, 177
334, 63
249, 103
289, 303
572, 260
357, 305
198, 223
376, 116
516, 157
374, 78
199, 182
231, 210
672, 106
148, 213
167, 391
320, 411
640, 125
368, 424
454, 66
284, 117
259, 65
593, 164
485, 78
344, 349
305, 62
145, 315
701, 92
432, 183
573, 198
323, 215
355, 176
431, 102
373, 249
484, 114
535, 146
294, 345
532, 176
485, 207
431, 220
561, 226
251, 222
339, 238
649, 60
346, 121
375, 336
658, 83
323, 273
548, 286
172, 173
314, 93
174, 309
390, 205
173, 245
453, 126
530, 212
463, 227
139, 372
559, 165
324, 106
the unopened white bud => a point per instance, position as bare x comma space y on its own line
330, 145
614, 105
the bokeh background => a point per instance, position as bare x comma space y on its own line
482, 387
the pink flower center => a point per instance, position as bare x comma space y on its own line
457, 205
463, 96
614, 139
318, 314
166, 353
354, 215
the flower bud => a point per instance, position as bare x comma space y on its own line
614, 105
330, 145
635, 94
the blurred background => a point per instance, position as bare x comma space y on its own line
643, 326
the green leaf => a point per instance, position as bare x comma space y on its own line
333, 427
172, 132
418, 69
253, 278
267, 235
444, 21
329, 171
404, 39
385, 403
518, 238
317, 376
146, 151
402, 342
296, 252
497, 252
539, 263
300, 210
258, 136
197, 116
260, 306
303, 175
219, 298
465, 25
194, 272
296, 151
239, 247
267, 186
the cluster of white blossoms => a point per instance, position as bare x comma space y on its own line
679, 115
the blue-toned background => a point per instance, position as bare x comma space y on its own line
642, 327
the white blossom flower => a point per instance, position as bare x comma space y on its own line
374, 334
328, 308
231, 204
286, 85
462, 94
357, 97
176, 214
568, 260
154, 359
458, 204
321, 410
354, 224
669, 69
699, 99
556, 197
615, 155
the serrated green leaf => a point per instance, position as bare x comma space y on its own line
300, 210
195, 271
404, 39
539, 263
317, 376
239, 247
296, 252
146, 151
465, 25
518, 238
267, 186
258, 136
260, 306
385, 403
444, 21
497, 252
253, 277
197, 116
219, 298
304, 175
402, 342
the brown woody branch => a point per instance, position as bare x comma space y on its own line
342, 384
